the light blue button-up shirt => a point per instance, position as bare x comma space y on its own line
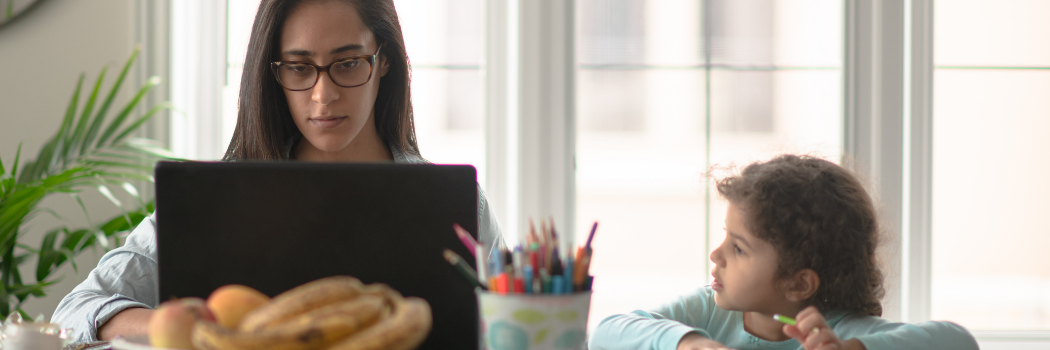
126, 277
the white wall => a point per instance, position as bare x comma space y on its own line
41, 56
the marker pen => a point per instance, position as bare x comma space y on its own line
784, 319
527, 280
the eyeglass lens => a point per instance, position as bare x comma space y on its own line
298, 76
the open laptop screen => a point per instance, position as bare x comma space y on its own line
273, 226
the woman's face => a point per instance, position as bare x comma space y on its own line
331, 117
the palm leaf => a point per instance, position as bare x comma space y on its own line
113, 156
47, 255
18, 154
5, 300
85, 152
96, 124
85, 116
45, 158
139, 122
119, 165
119, 119
144, 148
15, 208
82, 207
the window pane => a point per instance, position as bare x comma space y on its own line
992, 33
807, 33
444, 39
990, 171
791, 33
640, 150
239, 18
756, 115
642, 180
643, 111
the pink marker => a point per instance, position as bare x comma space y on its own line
468, 241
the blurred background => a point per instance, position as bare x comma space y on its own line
661, 93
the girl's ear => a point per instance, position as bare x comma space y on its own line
802, 285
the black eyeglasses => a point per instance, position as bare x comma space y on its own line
347, 72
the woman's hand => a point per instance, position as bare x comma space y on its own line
813, 332
693, 341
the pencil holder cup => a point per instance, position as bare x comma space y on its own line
533, 322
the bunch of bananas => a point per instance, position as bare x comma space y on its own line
336, 312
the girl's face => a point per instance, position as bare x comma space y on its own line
744, 269
331, 117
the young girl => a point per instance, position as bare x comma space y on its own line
323, 81
800, 241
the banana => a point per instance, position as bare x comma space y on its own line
405, 329
301, 299
211, 336
312, 330
356, 314
391, 296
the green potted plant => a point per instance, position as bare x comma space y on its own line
87, 152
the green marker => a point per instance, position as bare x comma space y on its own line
784, 319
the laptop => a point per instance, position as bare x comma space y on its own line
276, 225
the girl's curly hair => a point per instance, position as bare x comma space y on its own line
816, 215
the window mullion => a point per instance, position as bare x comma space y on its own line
918, 236
546, 113
873, 111
198, 74
500, 137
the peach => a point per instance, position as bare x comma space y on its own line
231, 302
171, 325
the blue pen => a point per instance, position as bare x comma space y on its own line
497, 262
528, 277
557, 284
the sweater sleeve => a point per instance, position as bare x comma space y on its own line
660, 329
125, 277
879, 334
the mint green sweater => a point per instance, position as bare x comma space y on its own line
663, 328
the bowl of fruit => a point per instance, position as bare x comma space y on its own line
337, 312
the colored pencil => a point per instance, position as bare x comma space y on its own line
465, 237
463, 268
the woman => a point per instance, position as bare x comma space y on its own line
324, 80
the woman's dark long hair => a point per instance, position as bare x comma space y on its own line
264, 121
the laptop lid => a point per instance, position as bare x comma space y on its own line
276, 225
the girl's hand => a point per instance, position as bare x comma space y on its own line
813, 332
693, 341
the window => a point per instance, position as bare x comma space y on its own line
666, 90
990, 164
444, 40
